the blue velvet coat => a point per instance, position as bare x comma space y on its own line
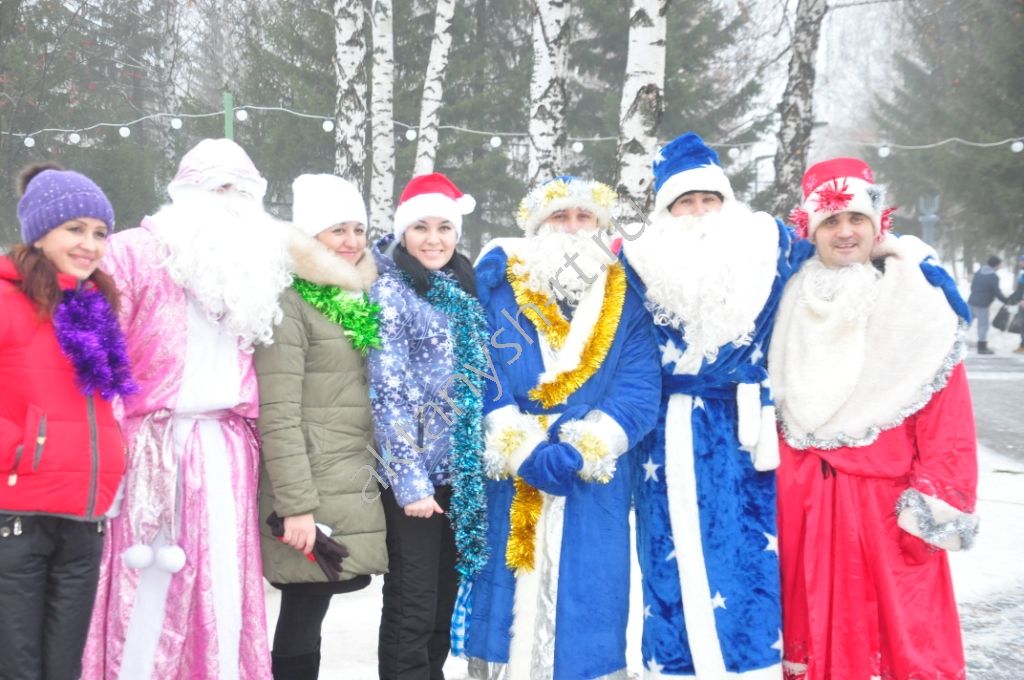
729, 510
593, 578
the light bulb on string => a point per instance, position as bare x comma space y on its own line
74, 138
410, 134
734, 153
495, 142
1017, 146
124, 131
29, 142
176, 123
328, 126
241, 115
577, 147
884, 151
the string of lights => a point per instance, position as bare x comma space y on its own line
73, 136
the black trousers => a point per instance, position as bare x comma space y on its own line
419, 592
300, 621
49, 567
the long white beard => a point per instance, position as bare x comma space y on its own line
231, 257
847, 294
708, 276
545, 263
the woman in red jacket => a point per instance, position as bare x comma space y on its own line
62, 359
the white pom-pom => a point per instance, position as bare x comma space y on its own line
170, 558
466, 204
138, 556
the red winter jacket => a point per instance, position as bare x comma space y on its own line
61, 453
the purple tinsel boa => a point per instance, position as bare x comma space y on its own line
89, 335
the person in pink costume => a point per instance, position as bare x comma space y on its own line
181, 589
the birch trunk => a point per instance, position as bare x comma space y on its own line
642, 105
350, 100
168, 97
797, 107
382, 180
547, 89
433, 82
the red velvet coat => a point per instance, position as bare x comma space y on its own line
61, 452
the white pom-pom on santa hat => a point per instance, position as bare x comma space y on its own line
170, 558
432, 195
138, 556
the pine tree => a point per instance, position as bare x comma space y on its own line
961, 78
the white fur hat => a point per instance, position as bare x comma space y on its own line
321, 201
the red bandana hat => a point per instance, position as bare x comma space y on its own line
840, 185
432, 195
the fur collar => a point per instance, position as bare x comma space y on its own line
911, 343
315, 263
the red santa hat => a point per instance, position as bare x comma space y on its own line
840, 185
432, 195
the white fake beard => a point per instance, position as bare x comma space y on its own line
231, 257
546, 262
847, 293
704, 275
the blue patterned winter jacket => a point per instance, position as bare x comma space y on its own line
409, 377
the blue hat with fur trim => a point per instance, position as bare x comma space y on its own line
687, 164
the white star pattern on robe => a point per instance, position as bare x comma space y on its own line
647, 611
670, 354
698, 403
653, 666
718, 602
650, 470
756, 355
671, 555
778, 643
773, 542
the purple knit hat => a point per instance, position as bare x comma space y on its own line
54, 197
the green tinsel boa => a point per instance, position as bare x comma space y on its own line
358, 317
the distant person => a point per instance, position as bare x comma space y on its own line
985, 289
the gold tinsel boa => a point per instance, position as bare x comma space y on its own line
556, 392
542, 312
523, 516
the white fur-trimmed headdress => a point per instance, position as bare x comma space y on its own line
840, 185
432, 195
687, 164
562, 193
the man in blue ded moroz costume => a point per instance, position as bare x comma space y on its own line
578, 373
711, 273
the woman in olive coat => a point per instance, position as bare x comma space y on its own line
315, 421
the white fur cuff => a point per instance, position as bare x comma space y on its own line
935, 521
766, 452
511, 436
600, 441
748, 414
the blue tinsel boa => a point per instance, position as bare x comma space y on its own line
468, 511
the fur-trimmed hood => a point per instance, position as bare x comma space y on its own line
312, 261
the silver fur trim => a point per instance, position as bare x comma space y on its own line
479, 669
955, 356
963, 525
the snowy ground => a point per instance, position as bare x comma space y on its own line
989, 579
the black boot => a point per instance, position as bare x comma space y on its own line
298, 667
983, 347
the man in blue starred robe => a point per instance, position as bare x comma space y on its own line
578, 366
711, 273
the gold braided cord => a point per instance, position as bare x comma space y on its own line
542, 312
594, 352
523, 516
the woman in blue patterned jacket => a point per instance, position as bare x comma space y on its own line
426, 391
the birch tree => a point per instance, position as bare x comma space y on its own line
547, 89
382, 179
350, 98
641, 107
797, 107
433, 87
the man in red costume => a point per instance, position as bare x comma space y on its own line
879, 463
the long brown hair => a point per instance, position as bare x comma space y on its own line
39, 280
